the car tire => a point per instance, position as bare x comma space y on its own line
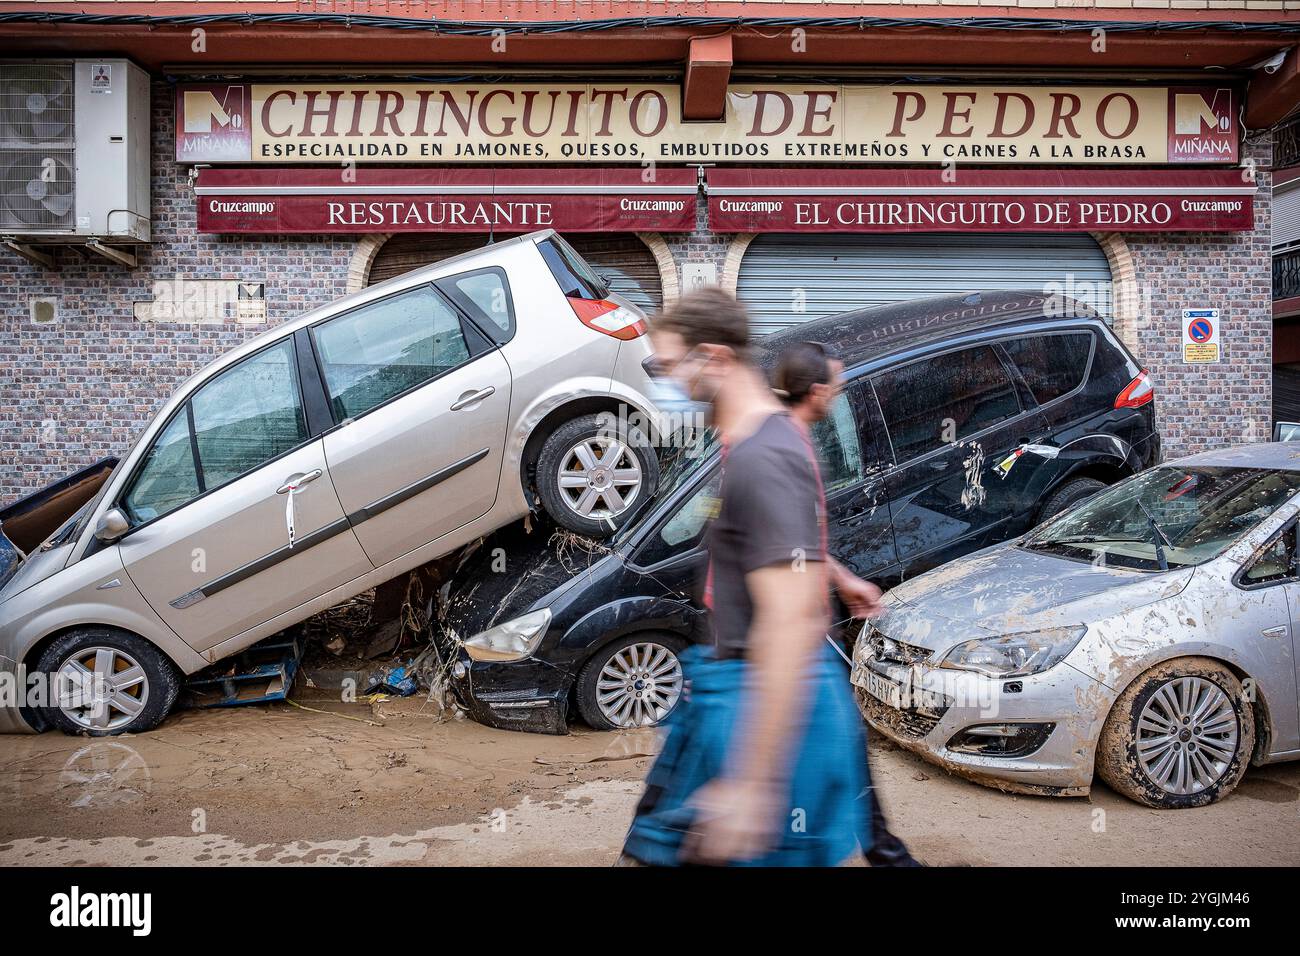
658, 655
1205, 766
577, 452
1068, 495
136, 707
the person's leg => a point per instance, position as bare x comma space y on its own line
886, 848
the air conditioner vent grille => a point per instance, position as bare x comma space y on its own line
36, 105
37, 189
37, 146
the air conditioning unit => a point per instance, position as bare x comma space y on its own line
74, 153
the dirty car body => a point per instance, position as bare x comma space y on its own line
322, 458
1146, 633
962, 420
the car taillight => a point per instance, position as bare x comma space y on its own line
1137, 392
609, 317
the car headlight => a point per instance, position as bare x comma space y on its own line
1015, 655
511, 641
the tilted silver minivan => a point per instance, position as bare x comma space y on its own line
338, 451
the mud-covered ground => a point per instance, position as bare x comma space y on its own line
283, 785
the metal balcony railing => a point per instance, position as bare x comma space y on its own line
1286, 145
1286, 274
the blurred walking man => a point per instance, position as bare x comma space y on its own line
808, 377
765, 763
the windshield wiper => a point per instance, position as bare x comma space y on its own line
1090, 539
1161, 541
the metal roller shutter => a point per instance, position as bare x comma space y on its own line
623, 259
1286, 216
786, 279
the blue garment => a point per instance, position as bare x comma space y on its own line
827, 815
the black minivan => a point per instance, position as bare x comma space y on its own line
964, 421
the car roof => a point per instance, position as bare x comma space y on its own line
864, 335
1278, 455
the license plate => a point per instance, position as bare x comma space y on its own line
892, 692
882, 688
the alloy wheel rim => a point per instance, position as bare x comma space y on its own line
1187, 735
101, 688
640, 685
600, 477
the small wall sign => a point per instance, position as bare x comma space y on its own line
1200, 336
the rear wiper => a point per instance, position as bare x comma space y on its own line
1159, 536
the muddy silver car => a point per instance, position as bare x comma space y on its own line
1147, 634
320, 459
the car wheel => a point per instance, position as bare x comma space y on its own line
104, 682
593, 471
1179, 736
1069, 494
632, 682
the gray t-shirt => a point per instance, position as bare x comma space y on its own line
772, 512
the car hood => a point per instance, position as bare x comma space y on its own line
18, 573
510, 573
1007, 589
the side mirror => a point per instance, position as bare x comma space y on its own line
111, 526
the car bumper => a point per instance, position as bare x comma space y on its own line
528, 695
943, 704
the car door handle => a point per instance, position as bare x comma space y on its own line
294, 482
471, 397
1280, 631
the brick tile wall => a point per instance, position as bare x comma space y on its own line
1200, 407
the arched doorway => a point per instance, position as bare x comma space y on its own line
622, 258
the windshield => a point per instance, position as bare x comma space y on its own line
1167, 517
676, 466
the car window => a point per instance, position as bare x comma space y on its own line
1275, 563
836, 440
944, 399
248, 415
684, 529
1053, 365
240, 419
485, 297
380, 350
577, 279
168, 477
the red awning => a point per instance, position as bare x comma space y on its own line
332, 200
979, 200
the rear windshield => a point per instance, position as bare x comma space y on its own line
1185, 515
577, 279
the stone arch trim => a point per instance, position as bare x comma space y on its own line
1126, 297
731, 264
669, 286
363, 257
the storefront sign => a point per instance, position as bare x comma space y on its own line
445, 200
772, 123
798, 200
1200, 336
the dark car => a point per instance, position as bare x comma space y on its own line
964, 421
